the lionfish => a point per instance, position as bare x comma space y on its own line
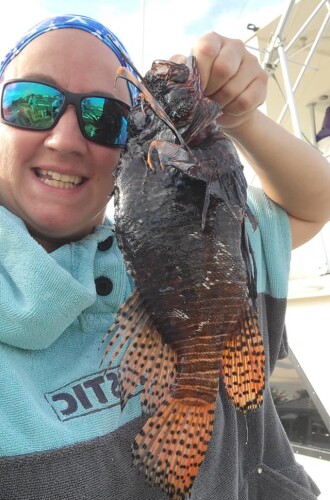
180, 218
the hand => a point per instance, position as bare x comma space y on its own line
231, 76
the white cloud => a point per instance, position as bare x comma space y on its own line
11, 31
157, 31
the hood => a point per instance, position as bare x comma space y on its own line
41, 294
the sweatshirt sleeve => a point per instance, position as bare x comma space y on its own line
271, 243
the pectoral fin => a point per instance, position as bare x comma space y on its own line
243, 361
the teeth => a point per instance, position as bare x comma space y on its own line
58, 180
58, 184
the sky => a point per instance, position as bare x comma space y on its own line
150, 29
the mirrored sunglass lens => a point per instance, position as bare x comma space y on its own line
105, 120
30, 104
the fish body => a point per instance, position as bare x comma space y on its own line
180, 211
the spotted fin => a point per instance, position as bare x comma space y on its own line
172, 445
243, 361
148, 361
123, 329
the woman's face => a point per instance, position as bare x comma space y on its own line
78, 62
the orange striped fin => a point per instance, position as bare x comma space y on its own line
147, 362
123, 329
172, 445
151, 363
243, 361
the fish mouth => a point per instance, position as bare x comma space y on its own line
58, 180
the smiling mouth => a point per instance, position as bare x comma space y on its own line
55, 179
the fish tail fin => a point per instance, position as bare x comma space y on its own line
148, 362
243, 361
172, 445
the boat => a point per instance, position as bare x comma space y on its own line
294, 49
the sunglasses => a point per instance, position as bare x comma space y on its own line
38, 106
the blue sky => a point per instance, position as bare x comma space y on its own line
150, 29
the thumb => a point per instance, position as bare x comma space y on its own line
179, 59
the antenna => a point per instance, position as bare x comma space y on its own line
143, 15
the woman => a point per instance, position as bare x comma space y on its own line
63, 434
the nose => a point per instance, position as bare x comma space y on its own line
66, 135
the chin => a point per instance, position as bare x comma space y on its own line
53, 236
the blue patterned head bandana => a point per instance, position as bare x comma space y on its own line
80, 22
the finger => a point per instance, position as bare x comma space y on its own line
250, 78
226, 65
252, 97
179, 59
206, 50
244, 104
